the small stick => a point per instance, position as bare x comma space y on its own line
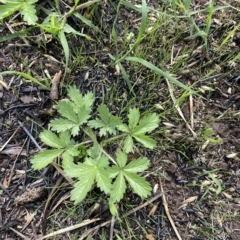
5, 144
67, 229
19, 234
30, 135
167, 211
191, 110
45, 213
179, 109
111, 228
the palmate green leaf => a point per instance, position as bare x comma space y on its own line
101, 162
74, 170
66, 138
26, 6
104, 113
10, 8
67, 160
123, 128
113, 208
146, 141
128, 144
42, 159
73, 150
133, 117
107, 122
79, 100
61, 125
51, 139
81, 188
147, 124
94, 151
139, 185
83, 114
137, 165
121, 159
29, 12
118, 188
66, 109
103, 180
113, 171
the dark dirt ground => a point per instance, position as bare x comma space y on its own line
34, 203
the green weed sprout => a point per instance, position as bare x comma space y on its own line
87, 161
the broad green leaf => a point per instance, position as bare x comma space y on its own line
42, 159
88, 99
118, 188
90, 133
94, 151
75, 96
51, 139
81, 188
137, 165
107, 123
128, 144
66, 138
8, 9
123, 128
147, 124
139, 185
96, 124
61, 124
29, 12
75, 130
74, 170
27, 9
104, 113
79, 100
121, 159
146, 141
103, 180
73, 150
67, 160
113, 208
102, 162
83, 171
113, 171
133, 117
65, 108
83, 114
99, 124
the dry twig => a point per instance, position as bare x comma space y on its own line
167, 211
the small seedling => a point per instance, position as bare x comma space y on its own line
88, 161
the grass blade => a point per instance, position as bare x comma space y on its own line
143, 21
27, 76
160, 72
64, 43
